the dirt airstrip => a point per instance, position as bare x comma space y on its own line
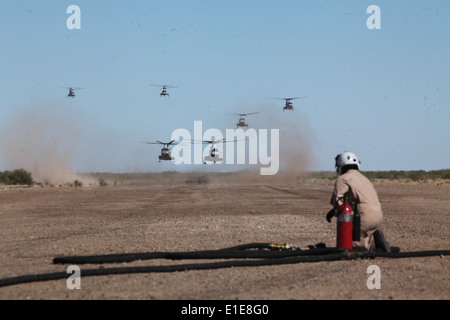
38, 224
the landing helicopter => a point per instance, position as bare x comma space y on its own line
165, 151
214, 153
241, 122
289, 105
71, 93
164, 89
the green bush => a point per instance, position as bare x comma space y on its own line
18, 176
414, 175
77, 183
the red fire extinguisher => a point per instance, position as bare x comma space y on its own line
345, 227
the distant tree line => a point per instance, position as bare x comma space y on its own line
414, 175
18, 176
23, 177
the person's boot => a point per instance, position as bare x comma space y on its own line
380, 241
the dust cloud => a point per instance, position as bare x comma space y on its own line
59, 145
42, 139
297, 140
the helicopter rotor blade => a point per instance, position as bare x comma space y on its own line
288, 98
160, 142
242, 114
216, 141
225, 141
166, 143
295, 98
163, 85
213, 142
205, 141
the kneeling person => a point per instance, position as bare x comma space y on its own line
362, 197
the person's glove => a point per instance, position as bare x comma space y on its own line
330, 215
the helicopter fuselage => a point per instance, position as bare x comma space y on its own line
242, 123
288, 106
165, 157
165, 154
213, 156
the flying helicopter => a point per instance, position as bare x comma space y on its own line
242, 116
165, 151
213, 155
289, 105
71, 93
164, 89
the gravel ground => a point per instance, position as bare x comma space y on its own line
38, 224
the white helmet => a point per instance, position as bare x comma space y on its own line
344, 159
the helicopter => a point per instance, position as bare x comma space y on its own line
289, 105
213, 155
164, 89
165, 151
241, 122
71, 93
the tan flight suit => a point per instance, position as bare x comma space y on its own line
367, 204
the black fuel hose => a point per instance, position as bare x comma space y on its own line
172, 268
227, 253
411, 254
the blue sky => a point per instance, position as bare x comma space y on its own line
383, 94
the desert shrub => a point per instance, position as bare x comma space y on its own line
77, 183
18, 176
414, 175
417, 175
